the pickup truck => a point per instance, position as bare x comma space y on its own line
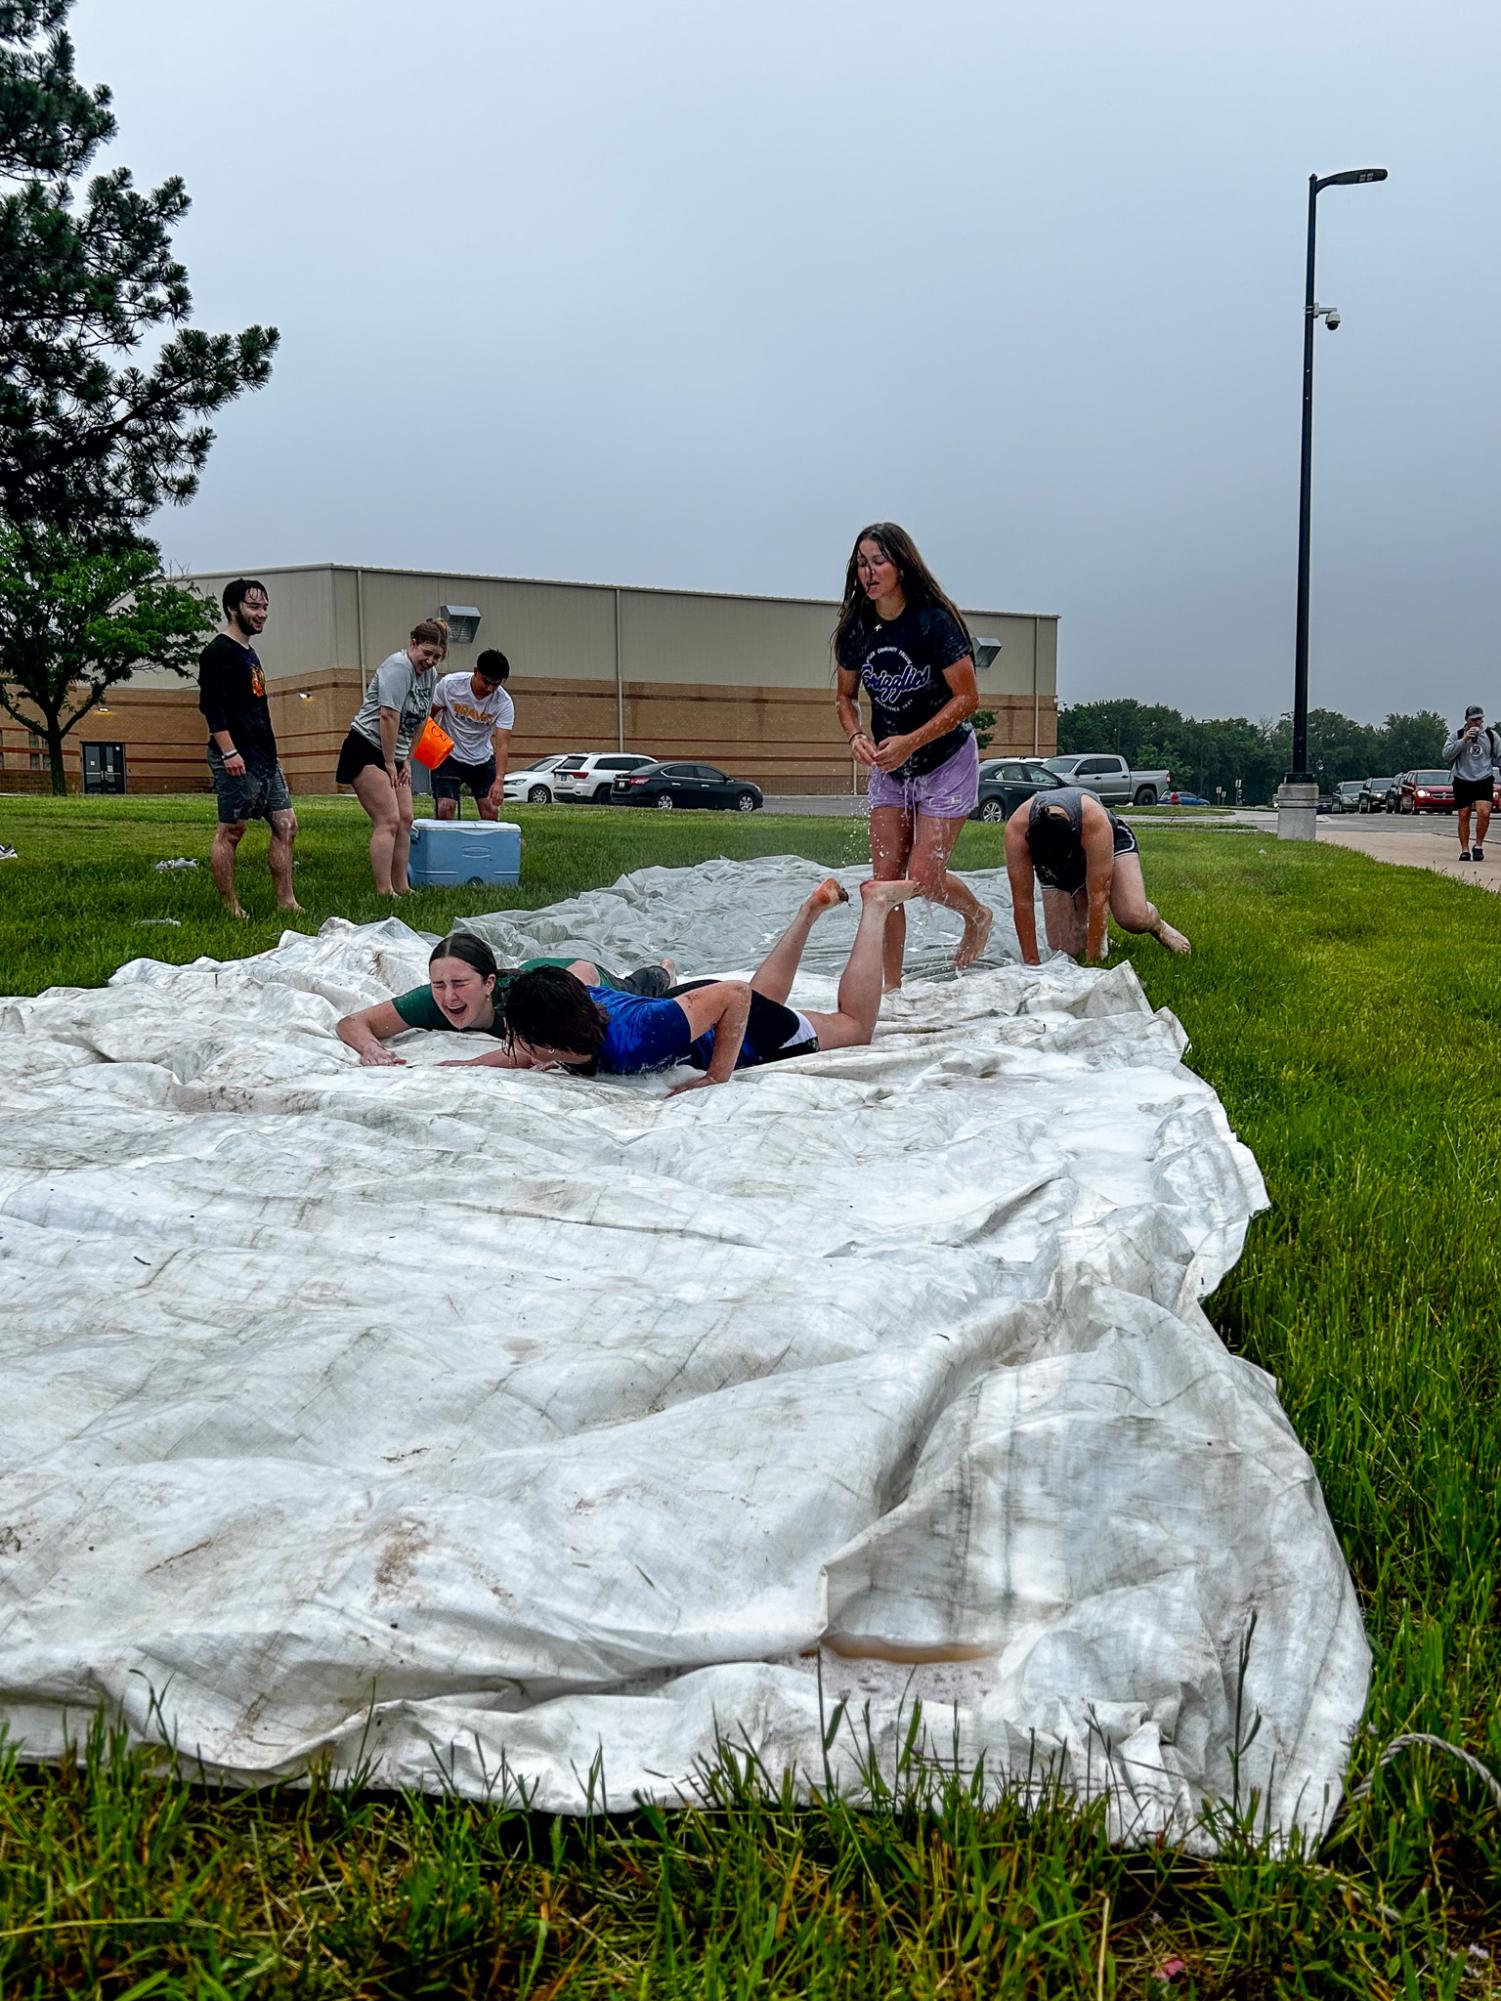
1111, 778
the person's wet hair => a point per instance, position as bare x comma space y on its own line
1050, 838
492, 665
473, 951
430, 632
549, 1008
919, 585
235, 593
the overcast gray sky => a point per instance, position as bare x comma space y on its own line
681, 293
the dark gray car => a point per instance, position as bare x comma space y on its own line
1008, 782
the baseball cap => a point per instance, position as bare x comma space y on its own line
1473, 710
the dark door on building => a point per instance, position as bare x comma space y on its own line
104, 767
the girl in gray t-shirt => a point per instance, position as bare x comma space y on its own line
373, 758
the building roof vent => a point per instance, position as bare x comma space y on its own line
463, 622
985, 652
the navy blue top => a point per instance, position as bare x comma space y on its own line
901, 662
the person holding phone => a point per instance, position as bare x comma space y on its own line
1473, 755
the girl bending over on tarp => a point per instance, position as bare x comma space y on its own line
556, 1020
1088, 864
464, 982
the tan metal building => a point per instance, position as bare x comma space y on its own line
743, 682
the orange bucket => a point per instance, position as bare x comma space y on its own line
432, 746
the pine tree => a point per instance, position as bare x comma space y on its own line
91, 441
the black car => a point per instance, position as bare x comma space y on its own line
1373, 796
1008, 782
679, 784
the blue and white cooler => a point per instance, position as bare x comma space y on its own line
446, 854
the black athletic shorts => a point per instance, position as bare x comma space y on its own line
768, 1026
356, 754
1072, 879
451, 776
1473, 791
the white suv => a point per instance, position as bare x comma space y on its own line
534, 781
593, 777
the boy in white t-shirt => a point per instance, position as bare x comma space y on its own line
477, 713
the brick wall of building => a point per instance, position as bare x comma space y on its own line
786, 740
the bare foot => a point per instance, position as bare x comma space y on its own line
234, 910
290, 908
669, 967
976, 938
828, 893
886, 895
1174, 941
894, 987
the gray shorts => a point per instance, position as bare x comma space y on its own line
260, 791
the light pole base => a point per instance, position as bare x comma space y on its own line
1297, 811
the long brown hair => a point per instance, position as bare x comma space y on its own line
919, 585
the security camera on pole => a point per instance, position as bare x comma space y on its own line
1298, 796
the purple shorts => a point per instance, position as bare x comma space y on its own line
950, 791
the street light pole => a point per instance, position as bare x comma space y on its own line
1300, 773
1297, 801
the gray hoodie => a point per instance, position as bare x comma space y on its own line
1474, 757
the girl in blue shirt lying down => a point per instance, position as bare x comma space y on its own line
554, 1020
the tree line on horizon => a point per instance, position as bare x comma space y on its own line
1205, 753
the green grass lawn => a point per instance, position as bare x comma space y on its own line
1347, 1013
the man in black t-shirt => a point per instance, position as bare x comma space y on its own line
248, 781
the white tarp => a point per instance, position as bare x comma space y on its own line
468, 1422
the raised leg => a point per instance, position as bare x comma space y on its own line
774, 976
861, 983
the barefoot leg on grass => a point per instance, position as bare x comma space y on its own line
1133, 910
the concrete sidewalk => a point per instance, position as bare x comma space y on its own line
1429, 840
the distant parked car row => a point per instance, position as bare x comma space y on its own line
622, 778
1408, 792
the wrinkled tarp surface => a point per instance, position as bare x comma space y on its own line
470, 1424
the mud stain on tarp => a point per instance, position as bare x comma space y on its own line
398, 1560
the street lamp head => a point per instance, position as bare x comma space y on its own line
1352, 177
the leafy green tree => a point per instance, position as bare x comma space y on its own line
983, 724
1409, 743
75, 621
92, 441
1127, 727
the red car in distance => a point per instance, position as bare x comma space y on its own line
1427, 792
